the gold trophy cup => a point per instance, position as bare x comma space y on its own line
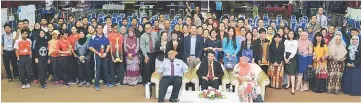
117, 53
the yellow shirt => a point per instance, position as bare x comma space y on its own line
320, 52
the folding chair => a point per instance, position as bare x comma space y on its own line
172, 8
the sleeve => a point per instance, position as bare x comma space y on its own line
142, 46
358, 59
2, 39
91, 42
238, 44
200, 52
125, 46
16, 45
224, 42
270, 52
200, 70
184, 67
220, 71
326, 50
137, 48
87, 52
285, 43
325, 22
294, 51
76, 49
161, 68
107, 42
36, 48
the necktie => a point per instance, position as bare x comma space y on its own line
150, 43
210, 72
172, 68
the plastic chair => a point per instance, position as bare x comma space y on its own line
114, 20
181, 8
94, 15
357, 24
120, 18
293, 17
172, 8
122, 15
115, 15
303, 24
279, 19
192, 6
89, 17
300, 20
293, 25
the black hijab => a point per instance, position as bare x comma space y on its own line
34, 34
42, 40
82, 41
139, 33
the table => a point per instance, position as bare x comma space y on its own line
192, 96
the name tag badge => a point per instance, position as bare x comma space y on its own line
177, 64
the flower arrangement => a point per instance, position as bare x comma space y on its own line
211, 94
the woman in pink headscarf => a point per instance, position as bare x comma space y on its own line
131, 47
305, 52
246, 77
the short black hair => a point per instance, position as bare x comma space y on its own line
244, 28
174, 32
20, 21
125, 19
259, 20
133, 18
114, 25
262, 30
24, 30
60, 18
193, 25
94, 18
70, 15
26, 20
332, 25
147, 23
145, 18
210, 52
7, 24
200, 27
188, 17
354, 29
84, 18
108, 17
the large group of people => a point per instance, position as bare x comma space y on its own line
77, 52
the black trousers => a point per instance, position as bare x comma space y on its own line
101, 64
34, 68
148, 68
62, 71
54, 67
72, 68
25, 69
212, 83
42, 67
264, 68
84, 71
9, 57
119, 69
165, 82
219, 14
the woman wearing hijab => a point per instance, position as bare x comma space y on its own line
275, 71
33, 36
83, 59
131, 47
139, 31
305, 52
351, 78
41, 57
246, 78
337, 56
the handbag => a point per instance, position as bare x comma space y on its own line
230, 63
258, 99
309, 74
322, 74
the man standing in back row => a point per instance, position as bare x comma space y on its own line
147, 45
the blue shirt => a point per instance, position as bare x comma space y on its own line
218, 5
229, 48
193, 45
7, 42
179, 67
97, 42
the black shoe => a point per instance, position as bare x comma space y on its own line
293, 93
173, 100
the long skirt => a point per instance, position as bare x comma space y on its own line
132, 76
276, 75
335, 70
351, 81
247, 91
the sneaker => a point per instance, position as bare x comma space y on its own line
120, 84
87, 84
10, 80
23, 86
43, 86
93, 80
97, 88
28, 85
56, 83
101, 81
66, 84
36, 81
81, 84
109, 85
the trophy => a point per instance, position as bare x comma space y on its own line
102, 49
264, 60
117, 53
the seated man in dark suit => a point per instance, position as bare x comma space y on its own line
210, 72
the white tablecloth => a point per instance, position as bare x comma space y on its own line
192, 96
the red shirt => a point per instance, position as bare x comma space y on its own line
72, 39
23, 46
53, 46
64, 46
113, 39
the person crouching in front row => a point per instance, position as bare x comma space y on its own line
172, 70
210, 72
